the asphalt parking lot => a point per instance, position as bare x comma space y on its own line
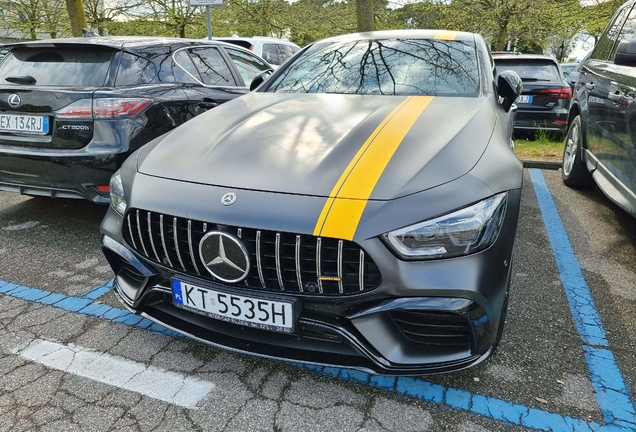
72, 359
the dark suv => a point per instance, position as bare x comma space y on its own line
600, 145
72, 110
544, 102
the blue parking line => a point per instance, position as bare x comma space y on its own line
612, 393
613, 396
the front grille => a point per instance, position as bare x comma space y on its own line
432, 327
279, 261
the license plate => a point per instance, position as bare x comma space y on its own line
597, 100
24, 124
248, 311
524, 99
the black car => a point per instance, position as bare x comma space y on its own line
72, 110
544, 102
359, 209
600, 145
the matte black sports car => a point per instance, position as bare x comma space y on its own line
358, 209
72, 110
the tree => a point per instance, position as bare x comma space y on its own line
77, 16
365, 15
101, 12
170, 17
597, 15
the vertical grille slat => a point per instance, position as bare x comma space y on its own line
152, 237
175, 235
141, 237
340, 264
130, 231
192, 257
299, 272
259, 264
319, 263
279, 261
163, 241
278, 266
361, 270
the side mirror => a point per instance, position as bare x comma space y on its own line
258, 79
626, 53
509, 87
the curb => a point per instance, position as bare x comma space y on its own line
547, 165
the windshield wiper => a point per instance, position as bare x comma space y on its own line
26, 79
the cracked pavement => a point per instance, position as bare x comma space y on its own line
54, 245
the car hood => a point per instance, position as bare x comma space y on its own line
349, 146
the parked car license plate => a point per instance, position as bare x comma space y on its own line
524, 99
248, 311
24, 123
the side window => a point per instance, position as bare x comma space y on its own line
134, 70
285, 52
270, 54
247, 64
184, 70
609, 37
627, 32
212, 67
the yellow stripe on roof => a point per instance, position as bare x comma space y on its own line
446, 35
346, 203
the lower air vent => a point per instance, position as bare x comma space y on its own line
433, 327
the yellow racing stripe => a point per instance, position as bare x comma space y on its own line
446, 35
346, 203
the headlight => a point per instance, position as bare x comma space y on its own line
461, 232
117, 199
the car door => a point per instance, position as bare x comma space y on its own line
614, 119
593, 88
247, 64
208, 76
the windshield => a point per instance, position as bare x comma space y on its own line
386, 67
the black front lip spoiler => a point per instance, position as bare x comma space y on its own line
376, 364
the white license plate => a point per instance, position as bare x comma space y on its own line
524, 99
248, 311
24, 123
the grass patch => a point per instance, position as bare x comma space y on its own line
543, 147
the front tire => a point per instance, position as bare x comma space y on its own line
573, 169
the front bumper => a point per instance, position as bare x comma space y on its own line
455, 305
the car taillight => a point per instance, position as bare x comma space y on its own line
103, 108
111, 108
558, 93
80, 109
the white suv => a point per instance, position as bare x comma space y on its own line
273, 51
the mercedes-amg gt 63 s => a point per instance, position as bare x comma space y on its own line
358, 209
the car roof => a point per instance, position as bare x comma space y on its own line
254, 39
405, 34
109, 41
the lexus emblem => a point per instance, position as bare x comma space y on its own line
14, 100
228, 199
224, 256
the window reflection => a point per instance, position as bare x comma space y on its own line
387, 67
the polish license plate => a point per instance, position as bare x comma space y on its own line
524, 99
253, 312
24, 124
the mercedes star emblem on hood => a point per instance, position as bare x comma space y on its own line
224, 256
228, 199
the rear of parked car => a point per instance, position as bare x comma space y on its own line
545, 100
71, 111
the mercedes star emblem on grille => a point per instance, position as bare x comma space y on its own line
228, 199
224, 256
14, 100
